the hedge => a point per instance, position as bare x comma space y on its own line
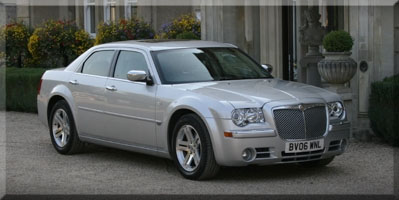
57, 43
21, 87
131, 29
16, 36
384, 109
184, 27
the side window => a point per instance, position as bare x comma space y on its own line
129, 60
98, 63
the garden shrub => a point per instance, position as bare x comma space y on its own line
384, 109
16, 37
132, 29
57, 43
21, 88
338, 41
187, 36
182, 26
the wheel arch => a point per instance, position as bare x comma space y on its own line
176, 115
58, 93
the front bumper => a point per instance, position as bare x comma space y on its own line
269, 147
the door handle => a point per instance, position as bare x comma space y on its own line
73, 82
111, 88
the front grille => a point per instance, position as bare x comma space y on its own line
334, 145
301, 156
293, 123
262, 153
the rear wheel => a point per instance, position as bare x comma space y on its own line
317, 163
63, 131
192, 150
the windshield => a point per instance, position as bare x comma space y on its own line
206, 64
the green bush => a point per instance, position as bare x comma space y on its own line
187, 36
57, 43
338, 41
16, 38
21, 88
384, 109
132, 29
184, 24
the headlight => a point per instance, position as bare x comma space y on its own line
336, 110
244, 116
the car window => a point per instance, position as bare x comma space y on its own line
98, 63
206, 64
127, 61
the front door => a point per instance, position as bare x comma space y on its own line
130, 105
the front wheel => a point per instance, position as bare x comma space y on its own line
192, 150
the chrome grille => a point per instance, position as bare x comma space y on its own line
307, 123
315, 119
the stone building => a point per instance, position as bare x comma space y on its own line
269, 33
89, 13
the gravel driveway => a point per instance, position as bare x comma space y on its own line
34, 167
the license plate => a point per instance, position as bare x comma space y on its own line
302, 146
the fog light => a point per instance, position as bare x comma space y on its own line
248, 154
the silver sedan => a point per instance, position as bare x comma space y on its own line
202, 104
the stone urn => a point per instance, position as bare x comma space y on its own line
337, 67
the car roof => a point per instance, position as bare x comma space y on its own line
157, 45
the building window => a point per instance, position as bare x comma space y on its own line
197, 12
109, 10
90, 16
130, 9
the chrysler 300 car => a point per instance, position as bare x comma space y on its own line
201, 104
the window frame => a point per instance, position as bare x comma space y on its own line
115, 61
108, 4
88, 15
128, 8
80, 70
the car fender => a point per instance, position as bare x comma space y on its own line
64, 92
206, 112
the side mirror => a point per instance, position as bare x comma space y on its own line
138, 75
268, 67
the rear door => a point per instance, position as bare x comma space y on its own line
88, 90
130, 104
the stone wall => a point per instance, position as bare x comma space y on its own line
255, 29
373, 30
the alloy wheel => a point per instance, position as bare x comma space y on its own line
188, 148
61, 128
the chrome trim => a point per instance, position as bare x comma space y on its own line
302, 107
254, 133
120, 115
127, 81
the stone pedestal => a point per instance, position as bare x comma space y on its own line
311, 34
308, 66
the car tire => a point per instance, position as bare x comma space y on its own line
194, 159
317, 163
63, 131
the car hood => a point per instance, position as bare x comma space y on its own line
244, 93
